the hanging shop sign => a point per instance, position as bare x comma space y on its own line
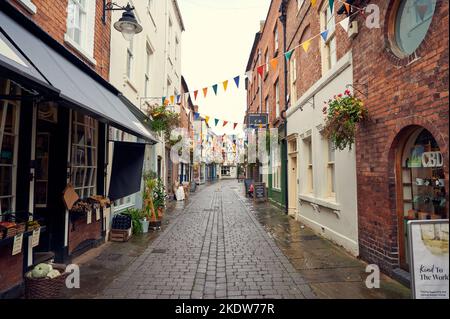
429, 258
17, 246
35, 237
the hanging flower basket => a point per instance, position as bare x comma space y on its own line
343, 113
163, 120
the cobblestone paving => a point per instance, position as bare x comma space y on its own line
214, 249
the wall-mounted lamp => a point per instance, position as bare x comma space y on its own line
127, 24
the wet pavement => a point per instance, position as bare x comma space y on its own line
219, 244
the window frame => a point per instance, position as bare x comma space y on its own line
277, 99
329, 56
130, 60
308, 153
331, 170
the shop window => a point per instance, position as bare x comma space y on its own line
412, 21
424, 193
226, 171
9, 124
84, 154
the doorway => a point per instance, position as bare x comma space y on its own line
293, 176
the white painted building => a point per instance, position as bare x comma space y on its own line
148, 68
322, 181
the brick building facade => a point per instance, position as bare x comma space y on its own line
407, 93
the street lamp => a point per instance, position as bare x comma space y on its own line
127, 24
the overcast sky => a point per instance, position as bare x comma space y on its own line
215, 47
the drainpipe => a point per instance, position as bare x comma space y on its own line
283, 20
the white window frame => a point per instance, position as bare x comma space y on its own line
276, 38
328, 21
293, 67
276, 168
5, 104
148, 63
87, 29
86, 189
130, 60
331, 170
277, 99
308, 155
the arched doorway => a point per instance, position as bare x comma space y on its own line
421, 192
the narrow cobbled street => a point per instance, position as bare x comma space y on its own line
220, 245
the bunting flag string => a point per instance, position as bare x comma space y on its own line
273, 63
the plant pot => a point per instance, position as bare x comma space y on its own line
160, 212
145, 224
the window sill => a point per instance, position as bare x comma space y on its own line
122, 208
79, 49
130, 84
151, 16
274, 189
324, 202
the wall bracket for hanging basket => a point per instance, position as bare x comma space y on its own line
358, 88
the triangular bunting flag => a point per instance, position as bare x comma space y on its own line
196, 115
313, 3
205, 92
172, 99
260, 70
249, 75
347, 7
274, 63
178, 98
195, 94
345, 24
215, 88
288, 54
331, 5
234, 126
216, 121
164, 100
225, 123
236, 80
225, 85
306, 44
324, 35
207, 119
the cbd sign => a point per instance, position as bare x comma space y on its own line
432, 159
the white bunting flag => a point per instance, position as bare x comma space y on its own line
345, 24
249, 75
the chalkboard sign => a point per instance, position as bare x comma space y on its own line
260, 192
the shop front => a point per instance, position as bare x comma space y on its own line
421, 184
55, 113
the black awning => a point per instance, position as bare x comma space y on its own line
126, 172
76, 86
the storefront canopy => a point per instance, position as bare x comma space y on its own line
76, 86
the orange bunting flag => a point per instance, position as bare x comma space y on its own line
225, 123
195, 94
347, 7
260, 70
234, 126
205, 92
274, 63
306, 44
225, 85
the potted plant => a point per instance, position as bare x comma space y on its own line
343, 113
138, 219
159, 197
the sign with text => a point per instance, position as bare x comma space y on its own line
428, 251
17, 246
35, 237
260, 192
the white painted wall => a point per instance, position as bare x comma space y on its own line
335, 219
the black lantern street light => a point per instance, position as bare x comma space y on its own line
127, 24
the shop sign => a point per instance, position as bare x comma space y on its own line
17, 246
429, 258
432, 159
260, 192
35, 237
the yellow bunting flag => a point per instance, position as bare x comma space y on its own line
207, 119
172, 99
274, 63
313, 3
205, 92
225, 85
306, 44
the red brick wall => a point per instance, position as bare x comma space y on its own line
51, 16
401, 94
303, 25
83, 232
11, 268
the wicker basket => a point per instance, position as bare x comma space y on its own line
45, 288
